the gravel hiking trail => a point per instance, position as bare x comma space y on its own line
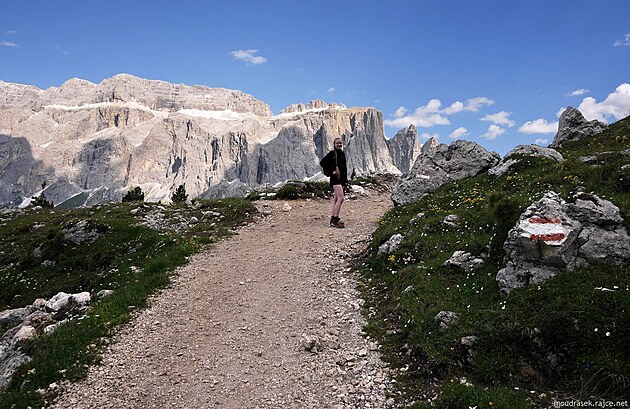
268, 318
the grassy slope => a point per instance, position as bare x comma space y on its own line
563, 339
134, 261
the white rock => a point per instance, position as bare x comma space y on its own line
58, 302
390, 245
24, 334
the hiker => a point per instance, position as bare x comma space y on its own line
334, 165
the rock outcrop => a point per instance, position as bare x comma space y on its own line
91, 143
405, 148
438, 165
512, 157
19, 326
574, 126
553, 236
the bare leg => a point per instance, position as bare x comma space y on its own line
338, 199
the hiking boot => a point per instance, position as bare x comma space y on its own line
338, 224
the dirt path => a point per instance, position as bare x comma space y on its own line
231, 331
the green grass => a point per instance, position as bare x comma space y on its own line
564, 338
133, 260
293, 190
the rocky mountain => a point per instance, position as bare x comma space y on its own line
573, 126
92, 142
405, 148
439, 164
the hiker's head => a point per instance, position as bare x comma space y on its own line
338, 143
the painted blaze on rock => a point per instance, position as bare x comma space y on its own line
550, 230
553, 236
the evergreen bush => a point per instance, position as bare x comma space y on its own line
180, 195
134, 195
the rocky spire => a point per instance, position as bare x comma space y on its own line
573, 126
404, 148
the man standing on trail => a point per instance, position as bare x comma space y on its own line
334, 165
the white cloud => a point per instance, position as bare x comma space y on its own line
11, 32
424, 117
539, 126
61, 51
475, 104
377, 101
331, 89
8, 44
616, 105
431, 114
493, 132
459, 132
400, 112
427, 135
578, 92
624, 42
249, 56
542, 142
454, 108
472, 105
500, 118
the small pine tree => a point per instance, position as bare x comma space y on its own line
41, 201
180, 195
134, 195
354, 174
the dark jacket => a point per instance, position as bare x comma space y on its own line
328, 163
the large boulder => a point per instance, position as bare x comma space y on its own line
574, 126
513, 157
441, 164
553, 236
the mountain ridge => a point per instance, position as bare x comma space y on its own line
128, 131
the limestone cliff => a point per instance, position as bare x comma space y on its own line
127, 131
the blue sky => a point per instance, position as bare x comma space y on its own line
495, 72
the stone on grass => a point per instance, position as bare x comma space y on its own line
552, 236
464, 261
390, 245
444, 319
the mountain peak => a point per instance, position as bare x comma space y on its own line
316, 104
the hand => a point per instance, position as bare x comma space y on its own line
336, 172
